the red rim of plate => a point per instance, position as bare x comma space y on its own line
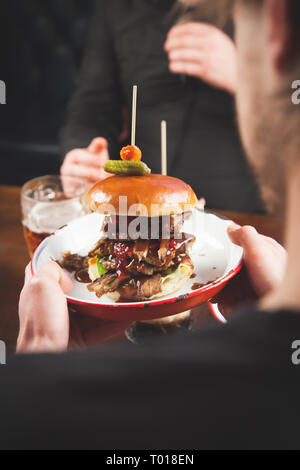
216, 312
195, 293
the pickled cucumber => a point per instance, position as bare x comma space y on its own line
130, 168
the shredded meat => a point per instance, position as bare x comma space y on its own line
156, 253
102, 248
140, 249
109, 282
149, 286
110, 264
72, 262
142, 288
153, 259
163, 250
133, 268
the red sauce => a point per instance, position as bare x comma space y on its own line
173, 244
122, 271
123, 250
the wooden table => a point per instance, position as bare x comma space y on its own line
14, 256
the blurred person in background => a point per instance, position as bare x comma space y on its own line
186, 74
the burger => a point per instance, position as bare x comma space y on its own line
142, 253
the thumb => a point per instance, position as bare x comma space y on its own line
246, 236
66, 283
54, 271
97, 145
28, 274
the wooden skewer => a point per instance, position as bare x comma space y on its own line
164, 165
134, 103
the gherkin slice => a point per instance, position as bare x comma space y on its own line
130, 168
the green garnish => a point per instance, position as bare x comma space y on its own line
130, 168
168, 272
101, 268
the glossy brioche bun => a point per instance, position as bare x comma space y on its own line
149, 196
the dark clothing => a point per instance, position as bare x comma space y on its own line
230, 387
126, 48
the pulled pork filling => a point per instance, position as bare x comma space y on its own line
132, 268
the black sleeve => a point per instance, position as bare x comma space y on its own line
95, 108
230, 387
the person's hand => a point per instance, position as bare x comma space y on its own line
263, 270
45, 323
203, 51
265, 259
43, 310
87, 163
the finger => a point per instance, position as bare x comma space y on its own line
272, 241
186, 55
246, 237
28, 274
87, 159
188, 42
97, 145
54, 271
233, 228
51, 269
187, 68
92, 174
77, 155
66, 283
102, 157
191, 28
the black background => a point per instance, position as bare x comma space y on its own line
40, 52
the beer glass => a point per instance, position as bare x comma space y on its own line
48, 203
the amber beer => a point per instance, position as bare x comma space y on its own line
33, 239
49, 203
